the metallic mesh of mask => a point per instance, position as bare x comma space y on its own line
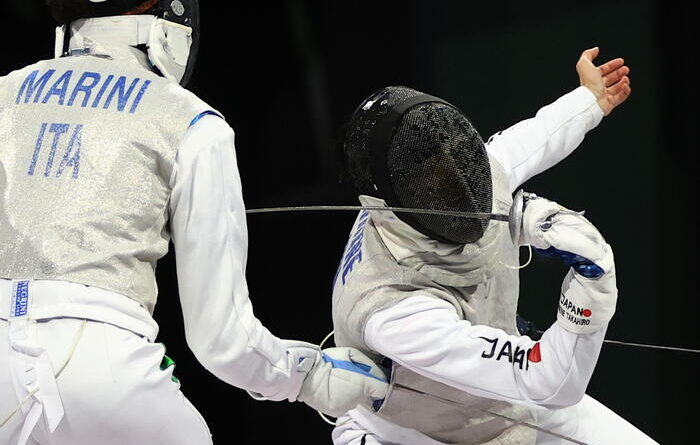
418, 151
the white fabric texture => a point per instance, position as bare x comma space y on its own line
113, 390
168, 42
119, 31
364, 425
52, 299
588, 421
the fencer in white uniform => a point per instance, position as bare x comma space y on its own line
102, 161
435, 297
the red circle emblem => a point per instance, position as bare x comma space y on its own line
587, 312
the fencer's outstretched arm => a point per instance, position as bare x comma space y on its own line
537, 144
208, 225
425, 334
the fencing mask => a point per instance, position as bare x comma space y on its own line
172, 42
418, 151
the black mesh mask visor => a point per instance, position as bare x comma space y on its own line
418, 151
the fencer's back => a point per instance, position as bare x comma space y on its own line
88, 147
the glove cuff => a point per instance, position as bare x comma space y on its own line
301, 358
586, 305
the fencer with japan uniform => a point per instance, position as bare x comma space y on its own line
437, 295
102, 161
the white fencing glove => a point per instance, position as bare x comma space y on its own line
341, 379
335, 380
589, 291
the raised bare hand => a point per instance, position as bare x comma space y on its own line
609, 82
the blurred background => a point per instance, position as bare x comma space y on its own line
287, 74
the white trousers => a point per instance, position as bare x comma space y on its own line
113, 391
589, 422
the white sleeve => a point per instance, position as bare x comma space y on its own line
534, 145
208, 225
426, 335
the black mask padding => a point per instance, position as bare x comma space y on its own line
66, 11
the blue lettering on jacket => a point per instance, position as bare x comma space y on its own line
58, 130
101, 93
139, 96
37, 149
71, 156
84, 87
122, 94
353, 251
70, 89
32, 86
59, 88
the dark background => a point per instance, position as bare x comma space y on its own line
287, 74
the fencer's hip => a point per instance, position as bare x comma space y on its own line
49, 299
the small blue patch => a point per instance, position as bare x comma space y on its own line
21, 300
357, 368
581, 265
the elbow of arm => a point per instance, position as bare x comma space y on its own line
566, 398
213, 362
202, 353
235, 364
563, 378
207, 356
563, 393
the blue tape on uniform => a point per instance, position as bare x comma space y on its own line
357, 368
581, 265
204, 113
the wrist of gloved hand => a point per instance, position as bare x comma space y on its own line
301, 359
342, 379
577, 241
532, 217
586, 305
332, 381
554, 230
